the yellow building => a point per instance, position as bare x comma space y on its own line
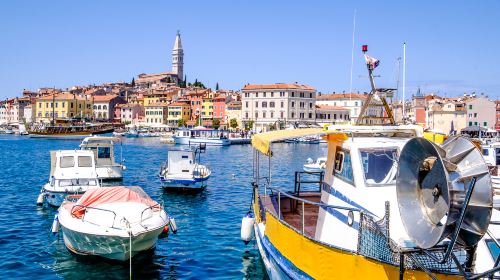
207, 108
178, 111
156, 113
62, 106
159, 95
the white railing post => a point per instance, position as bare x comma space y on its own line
279, 205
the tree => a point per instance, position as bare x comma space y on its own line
233, 123
198, 84
249, 125
216, 123
181, 123
217, 86
133, 82
272, 126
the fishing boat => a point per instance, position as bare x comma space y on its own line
391, 205
371, 216
183, 170
491, 154
201, 135
69, 131
72, 172
113, 222
315, 166
104, 151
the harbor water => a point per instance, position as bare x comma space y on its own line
207, 245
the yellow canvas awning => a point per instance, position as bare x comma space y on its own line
262, 141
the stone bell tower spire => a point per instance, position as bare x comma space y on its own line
178, 58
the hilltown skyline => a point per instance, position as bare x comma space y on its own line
314, 51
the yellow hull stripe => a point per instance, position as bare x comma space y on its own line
323, 262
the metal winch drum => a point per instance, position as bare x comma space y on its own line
432, 183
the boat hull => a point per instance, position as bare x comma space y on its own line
110, 172
110, 247
183, 184
55, 199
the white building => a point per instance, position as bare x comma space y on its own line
481, 112
274, 104
351, 101
332, 115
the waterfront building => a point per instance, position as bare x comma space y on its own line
326, 115
272, 104
497, 125
196, 100
445, 117
63, 106
104, 106
131, 113
178, 111
481, 112
28, 114
219, 107
156, 113
351, 101
207, 106
160, 95
233, 111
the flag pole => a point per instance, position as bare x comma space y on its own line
352, 54
404, 80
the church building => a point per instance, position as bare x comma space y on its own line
166, 78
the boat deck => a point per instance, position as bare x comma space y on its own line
291, 210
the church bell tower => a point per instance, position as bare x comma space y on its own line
178, 58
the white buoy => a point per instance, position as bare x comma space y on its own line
55, 225
40, 199
173, 225
247, 228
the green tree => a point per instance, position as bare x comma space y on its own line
133, 82
181, 123
216, 123
249, 125
217, 86
272, 126
233, 123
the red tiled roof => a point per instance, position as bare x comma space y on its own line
178, 104
332, 96
103, 98
278, 86
327, 107
156, 104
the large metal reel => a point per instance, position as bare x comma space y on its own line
432, 182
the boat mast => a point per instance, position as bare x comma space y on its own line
352, 53
404, 81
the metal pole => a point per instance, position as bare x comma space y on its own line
404, 79
279, 205
352, 53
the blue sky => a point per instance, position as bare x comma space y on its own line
451, 45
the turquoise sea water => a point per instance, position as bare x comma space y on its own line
207, 245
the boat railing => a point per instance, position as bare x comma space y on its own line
299, 182
279, 193
155, 208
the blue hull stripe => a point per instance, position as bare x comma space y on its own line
341, 217
283, 263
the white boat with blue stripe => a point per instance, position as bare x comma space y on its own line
183, 171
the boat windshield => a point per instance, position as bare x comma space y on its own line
379, 166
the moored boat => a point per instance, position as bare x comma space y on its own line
104, 150
69, 131
112, 222
201, 135
183, 171
383, 210
315, 166
72, 172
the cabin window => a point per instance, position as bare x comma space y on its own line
184, 156
497, 152
104, 152
485, 152
492, 247
379, 166
84, 161
343, 166
67, 162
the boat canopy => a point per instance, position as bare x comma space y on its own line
100, 196
262, 141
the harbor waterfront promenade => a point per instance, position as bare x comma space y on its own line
206, 246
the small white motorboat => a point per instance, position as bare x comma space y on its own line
201, 135
72, 172
318, 166
183, 171
103, 147
112, 222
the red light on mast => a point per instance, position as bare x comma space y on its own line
364, 48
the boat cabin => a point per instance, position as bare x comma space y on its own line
73, 167
103, 148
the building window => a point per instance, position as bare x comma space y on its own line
310, 115
263, 94
470, 107
485, 124
293, 104
256, 104
256, 115
334, 116
356, 103
246, 104
246, 115
310, 105
281, 114
293, 114
264, 104
56, 104
264, 115
282, 104
475, 115
272, 94
293, 94
272, 115
271, 104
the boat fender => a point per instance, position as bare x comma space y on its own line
173, 225
124, 167
164, 232
41, 199
247, 228
55, 225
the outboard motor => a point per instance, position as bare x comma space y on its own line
435, 183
